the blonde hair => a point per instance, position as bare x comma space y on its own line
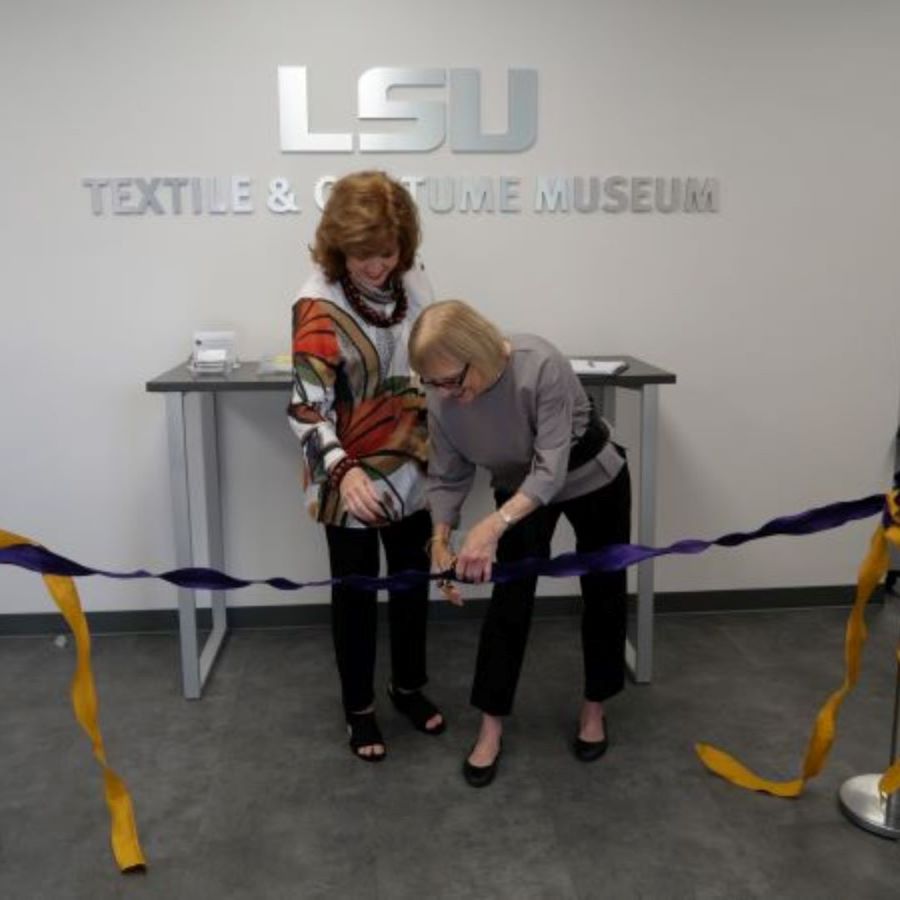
366, 214
452, 329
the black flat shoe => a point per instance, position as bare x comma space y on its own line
588, 751
417, 708
481, 776
363, 731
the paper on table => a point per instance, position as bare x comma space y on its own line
279, 364
597, 366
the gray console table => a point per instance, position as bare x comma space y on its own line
197, 510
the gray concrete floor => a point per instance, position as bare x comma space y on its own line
252, 793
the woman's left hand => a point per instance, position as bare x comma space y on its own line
479, 549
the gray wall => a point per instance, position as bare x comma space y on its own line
780, 314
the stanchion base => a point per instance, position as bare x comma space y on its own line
862, 804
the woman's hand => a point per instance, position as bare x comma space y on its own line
361, 499
442, 559
479, 549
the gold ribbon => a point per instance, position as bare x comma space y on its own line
871, 572
123, 833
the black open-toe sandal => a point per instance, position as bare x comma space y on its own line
363, 731
417, 708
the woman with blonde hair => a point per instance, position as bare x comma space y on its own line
361, 422
513, 405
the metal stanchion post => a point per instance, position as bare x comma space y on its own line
860, 799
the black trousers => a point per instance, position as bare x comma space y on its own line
599, 518
354, 613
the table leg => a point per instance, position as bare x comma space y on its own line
210, 540
184, 551
643, 662
639, 654
197, 519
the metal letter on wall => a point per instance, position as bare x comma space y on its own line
374, 103
293, 108
465, 113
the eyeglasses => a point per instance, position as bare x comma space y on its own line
447, 384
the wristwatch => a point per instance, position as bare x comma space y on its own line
506, 517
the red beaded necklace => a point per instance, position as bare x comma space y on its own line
372, 316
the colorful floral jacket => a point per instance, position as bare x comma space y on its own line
353, 394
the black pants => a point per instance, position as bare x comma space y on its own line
599, 518
354, 613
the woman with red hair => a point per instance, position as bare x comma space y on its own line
361, 422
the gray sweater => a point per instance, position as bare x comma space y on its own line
520, 430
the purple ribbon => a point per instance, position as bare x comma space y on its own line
609, 559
